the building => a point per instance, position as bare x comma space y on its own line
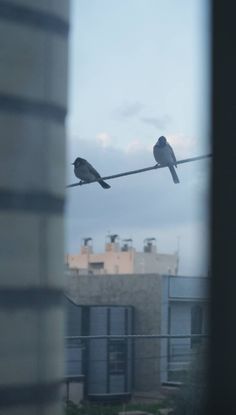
122, 258
162, 305
184, 311
104, 366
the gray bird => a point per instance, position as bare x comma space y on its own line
86, 172
165, 156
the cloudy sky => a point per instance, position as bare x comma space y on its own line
138, 70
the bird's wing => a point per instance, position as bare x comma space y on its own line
173, 154
93, 171
155, 152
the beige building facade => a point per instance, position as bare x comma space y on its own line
122, 259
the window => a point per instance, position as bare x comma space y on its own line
96, 265
196, 324
117, 356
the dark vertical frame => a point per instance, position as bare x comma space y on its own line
168, 340
67, 392
86, 346
126, 331
133, 357
223, 210
108, 349
196, 323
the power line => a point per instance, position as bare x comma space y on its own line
128, 173
142, 357
137, 336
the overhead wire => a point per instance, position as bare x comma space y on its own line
128, 173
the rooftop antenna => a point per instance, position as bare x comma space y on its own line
113, 237
127, 244
86, 241
148, 244
178, 244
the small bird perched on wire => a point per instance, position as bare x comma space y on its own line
86, 172
165, 156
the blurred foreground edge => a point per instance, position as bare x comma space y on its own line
222, 362
33, 106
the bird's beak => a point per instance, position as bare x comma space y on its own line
72, 164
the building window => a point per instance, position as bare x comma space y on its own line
117, 357
196, 324
96, 265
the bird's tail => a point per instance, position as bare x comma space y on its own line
104, 184
174, 174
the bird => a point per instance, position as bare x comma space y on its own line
165, 156
86, 172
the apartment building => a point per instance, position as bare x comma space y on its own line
120, 257
164, 305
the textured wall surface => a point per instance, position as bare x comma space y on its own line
143, 292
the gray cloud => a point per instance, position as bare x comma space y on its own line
134, 109
130, 110
157, 122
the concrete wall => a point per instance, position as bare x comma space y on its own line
141, 291
33, 99
162, 305
147, 263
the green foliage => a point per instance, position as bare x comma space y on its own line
109, 409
